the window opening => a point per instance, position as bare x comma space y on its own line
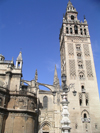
45, 102
18, 64
78, 48
82, 87
96, 127
71, 31
86, 102
85, 116
0, 101
81, 75
81, 32
80, 102
76, 126
67, 30
85, 31
79, 56
72, 17
76, 29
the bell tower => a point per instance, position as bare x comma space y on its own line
78, 65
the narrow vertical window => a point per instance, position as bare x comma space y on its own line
45, 102
0, 101
81, 31
84, 31
86, 102
82, 87
96, 127
80, 102
76, 29
67, 30
76, 126
71, 31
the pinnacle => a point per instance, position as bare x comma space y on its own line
56, 80
20, 56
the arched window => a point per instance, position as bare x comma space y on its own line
79, 55
80, 65
82, 87
45, 102
81, 75
72, 17
76, 29
67, 30
71, 31
78, 48
18, 64
85, 115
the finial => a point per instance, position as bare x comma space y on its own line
36, 76
12, 59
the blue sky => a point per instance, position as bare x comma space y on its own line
33, 27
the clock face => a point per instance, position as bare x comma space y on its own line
72, 17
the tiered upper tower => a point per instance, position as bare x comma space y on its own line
78, 65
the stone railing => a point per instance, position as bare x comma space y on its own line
86, 120
6, 61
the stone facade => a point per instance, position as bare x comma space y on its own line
18, 102
24, 108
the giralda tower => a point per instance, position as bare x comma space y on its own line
78, 65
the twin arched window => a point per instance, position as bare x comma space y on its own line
45, 102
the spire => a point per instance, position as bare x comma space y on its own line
19, 58
56, 80
70, 7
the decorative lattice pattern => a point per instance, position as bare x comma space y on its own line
86, 50
80, 95
72, 68
89, 69
70, 49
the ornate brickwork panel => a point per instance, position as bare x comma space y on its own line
70, 49
63, 64
76, 39
86, 49
72, 69
89, 69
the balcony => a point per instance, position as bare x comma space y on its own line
83, 90
87, 120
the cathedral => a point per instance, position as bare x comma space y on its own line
74, 108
